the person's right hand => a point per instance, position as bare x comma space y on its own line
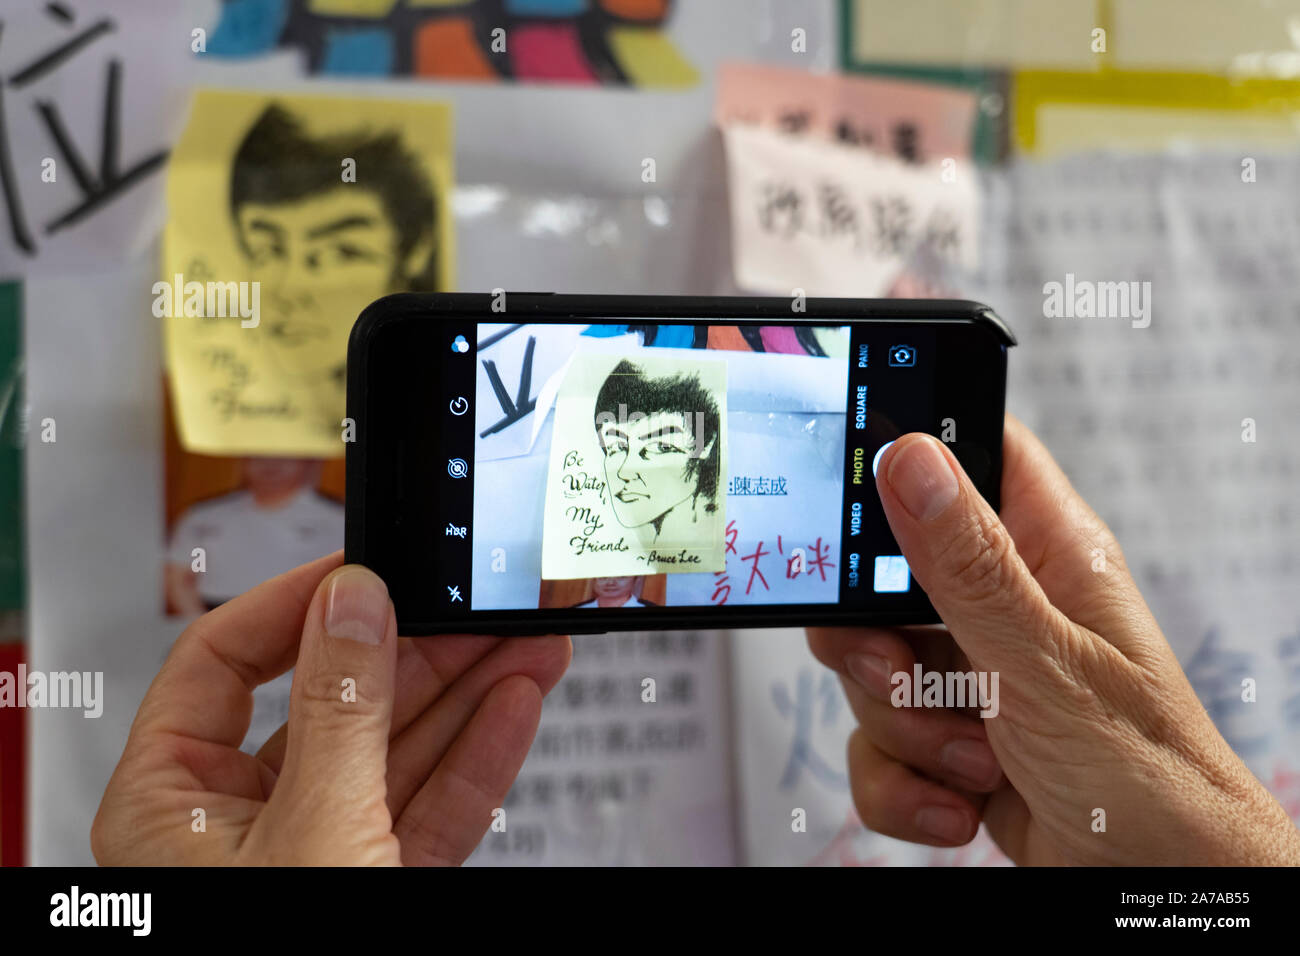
1094, 712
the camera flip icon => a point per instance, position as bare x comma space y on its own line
902, 356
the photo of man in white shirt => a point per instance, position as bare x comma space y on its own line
617, 592
274, 523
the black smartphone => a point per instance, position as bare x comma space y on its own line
529, 463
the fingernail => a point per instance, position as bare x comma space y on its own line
973, 760
872, 672
356, 607
944, 823
922, 479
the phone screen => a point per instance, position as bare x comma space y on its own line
606, 462
625, 466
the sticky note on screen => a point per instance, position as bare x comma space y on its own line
637, 471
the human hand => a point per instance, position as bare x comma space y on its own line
181, 589
1094, 712
409, 771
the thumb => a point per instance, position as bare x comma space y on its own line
341, 704
963, 557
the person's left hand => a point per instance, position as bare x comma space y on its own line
397, 750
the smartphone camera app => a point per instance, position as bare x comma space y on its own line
642, 466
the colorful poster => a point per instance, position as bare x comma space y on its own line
585, 42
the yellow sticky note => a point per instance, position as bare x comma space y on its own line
1207, 36
649, 58
1060, 112
288, 215
990, 33
637, 469
351, 8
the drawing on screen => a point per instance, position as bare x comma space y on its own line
661, 461
638, 456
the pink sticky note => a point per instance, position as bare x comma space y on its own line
921, 121
549, 52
